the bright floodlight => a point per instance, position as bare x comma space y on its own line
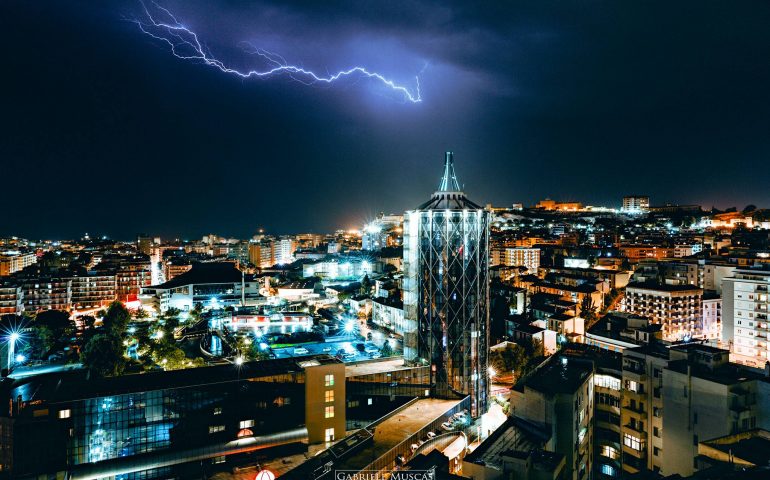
349, 326
239, 360
20, 358
14, 336
491, 371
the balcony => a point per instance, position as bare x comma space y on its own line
635, 408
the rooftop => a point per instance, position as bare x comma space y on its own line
77, 384
663, 287
217, 272
559, 374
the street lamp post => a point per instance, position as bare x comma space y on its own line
12, 339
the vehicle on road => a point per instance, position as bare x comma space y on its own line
301, 351
447, 426
431, 435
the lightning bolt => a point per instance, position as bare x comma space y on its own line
184, 44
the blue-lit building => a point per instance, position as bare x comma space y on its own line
446, 291
176, 424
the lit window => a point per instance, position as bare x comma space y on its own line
330, 434
216, 428
217, 411
219, 459
368, 401
632, 442
609, 452
246, 424
329, 412
329, 396
608, 470
329, 380
65, 413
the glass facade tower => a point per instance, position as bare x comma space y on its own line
446, 291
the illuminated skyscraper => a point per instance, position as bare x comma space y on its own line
446, 291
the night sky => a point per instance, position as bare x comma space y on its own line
103, 130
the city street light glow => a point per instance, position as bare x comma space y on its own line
349, 326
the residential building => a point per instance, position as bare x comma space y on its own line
678, 308
11, 299
641, 409
635, 204
558, 401
745, 315
15, 262
389, 313
522, 257
705, 397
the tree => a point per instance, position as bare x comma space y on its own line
389, 268
588, 310
58, 324
116, 319
749, 209
386, 350
103, 355
366, 285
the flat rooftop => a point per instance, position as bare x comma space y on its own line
369, 368
396, 429
559, 375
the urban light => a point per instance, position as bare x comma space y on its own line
13, 337
239, 360
349, 326
491, 372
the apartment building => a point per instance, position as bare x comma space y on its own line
11, 299
745, 315
15, 262
522, 257
678, 308
705, 397
558, 399
641, 409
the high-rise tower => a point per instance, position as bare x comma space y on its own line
446, 291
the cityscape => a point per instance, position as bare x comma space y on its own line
232, 319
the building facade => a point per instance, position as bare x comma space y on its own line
744, 315
446, 290
678, 308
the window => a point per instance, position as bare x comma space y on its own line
329, 380
655, 451
329, 396
610, 452
216, 428
655, 432
217, 410
632, 442
656, 412
329, 412
368, 401
608, 470
246, 424
329, 434
219, 459
632, 385
65, 413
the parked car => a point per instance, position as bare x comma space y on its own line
415, 447
301, 351
431, 435
447, 426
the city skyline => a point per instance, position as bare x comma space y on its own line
535, 101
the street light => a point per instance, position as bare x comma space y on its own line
12, 339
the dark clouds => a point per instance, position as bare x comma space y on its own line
104, 131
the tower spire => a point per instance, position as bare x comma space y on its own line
449, 181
